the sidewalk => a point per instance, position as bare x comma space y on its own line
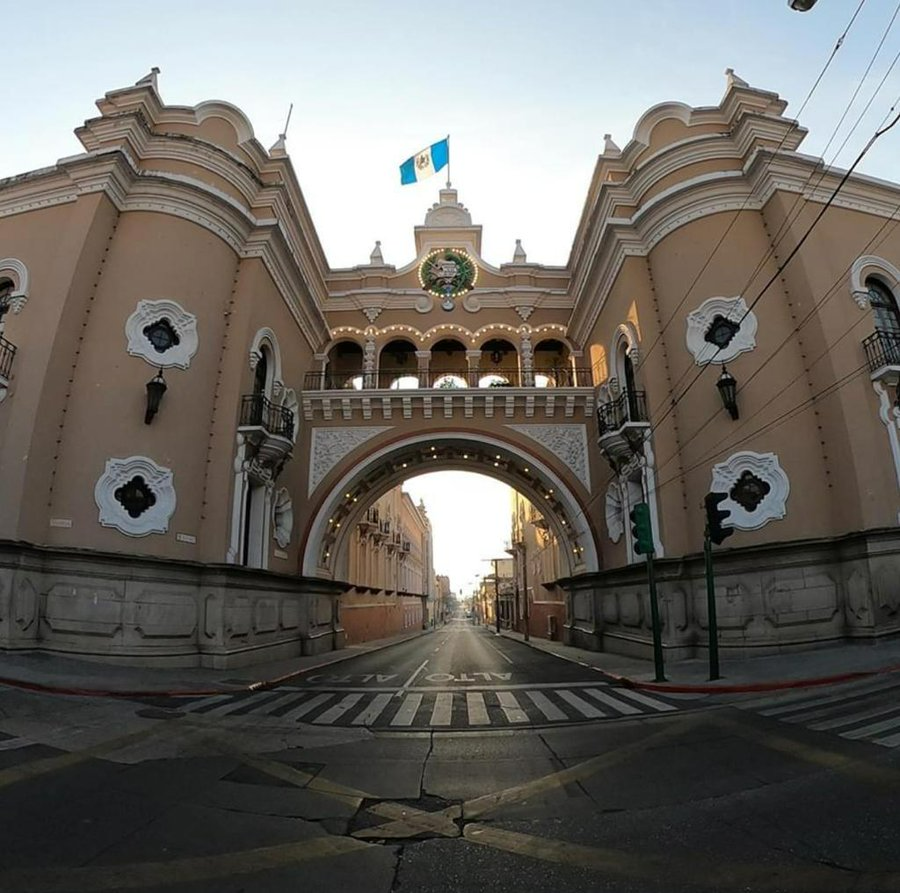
821, 666
59, 674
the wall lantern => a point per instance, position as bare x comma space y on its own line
156, 387
496, 357
727, 386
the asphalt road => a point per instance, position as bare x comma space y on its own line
461, 677
110, 795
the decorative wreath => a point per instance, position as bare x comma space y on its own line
448, 273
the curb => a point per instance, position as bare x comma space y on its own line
711, 688
260, 685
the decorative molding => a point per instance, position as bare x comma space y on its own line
372, 313
524, 312
184, 325
283, 517
289, 400
424, 303
12, 268
265, 336
869, 265
329, 445
765, 466
155, 519
615, 512
567, 442
889, 413
700, 320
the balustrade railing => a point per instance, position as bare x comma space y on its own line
258, 411
629, 406
448, 379
7, 352
882, 349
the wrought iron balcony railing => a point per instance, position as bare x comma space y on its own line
447, 379
882, 349
629, 406
258, 411
7, 352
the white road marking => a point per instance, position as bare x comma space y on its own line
478, 715
610, 701
546, 706
373, 711
514, 713
443, 709
225, 709
581, 705
337, 711
411, 679
407, 712
848, 719
306, 707
644, 699
507, 659
15, 743
205, 702
886, 725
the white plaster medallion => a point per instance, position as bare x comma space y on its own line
759, 482
283, 517
330, 445
181, 324
701, 321
566, 442
147, 476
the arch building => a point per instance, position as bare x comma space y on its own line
197, 412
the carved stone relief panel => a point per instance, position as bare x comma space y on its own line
757, 489
721, 329
135, 496
163, 333
330, 445
568, 442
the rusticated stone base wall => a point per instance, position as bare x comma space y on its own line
147, 612
366, 615
790, 596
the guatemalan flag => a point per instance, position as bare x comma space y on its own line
425, 163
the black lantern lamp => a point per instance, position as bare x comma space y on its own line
156, 387
801, 5
727, 386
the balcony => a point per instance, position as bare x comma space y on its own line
883, 356
622, 425
7, 354
562, 394
269, 427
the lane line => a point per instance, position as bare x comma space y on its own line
409, 682
581, 705
477, 709
514, 713
337, 711
507, 659
373, 711
443, 710
407, 712
546, 706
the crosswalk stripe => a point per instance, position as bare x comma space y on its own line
886, 725
443, 709
849, 719
514, 713
290, 698
373, 711
789, 703
239, 702
610, 701
478, 715
198, 706
889, 741
306, 707
407, 712
644, 699
337, 710
546, 706
581, 705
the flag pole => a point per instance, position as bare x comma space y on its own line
448, 160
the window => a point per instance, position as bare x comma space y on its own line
884, 306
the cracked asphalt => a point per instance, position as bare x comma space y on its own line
115, 795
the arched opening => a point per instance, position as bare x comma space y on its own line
397, 367
345, 365
449, 366
552, 364
499, 364
884, 307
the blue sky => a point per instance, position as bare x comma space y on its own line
525, 89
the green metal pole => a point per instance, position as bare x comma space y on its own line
711, 609
654, 617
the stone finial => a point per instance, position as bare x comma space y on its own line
609, 147
279, 148
519, 256
732, 80
149, 80
376, 258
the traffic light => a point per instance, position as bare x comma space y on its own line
641, 529
715, 516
